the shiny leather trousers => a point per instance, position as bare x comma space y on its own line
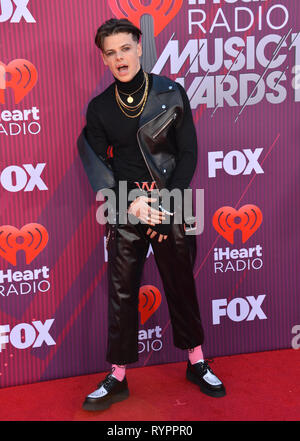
127, 249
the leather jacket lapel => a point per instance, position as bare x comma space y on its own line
155, 102
163, 106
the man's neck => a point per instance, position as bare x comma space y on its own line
132, 85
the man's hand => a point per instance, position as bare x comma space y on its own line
153, 233
140, 209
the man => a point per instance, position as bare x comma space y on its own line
147, 120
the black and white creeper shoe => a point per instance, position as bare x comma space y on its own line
200, 373
109, 391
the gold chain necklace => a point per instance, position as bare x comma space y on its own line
142, 103
129, 95
119, 99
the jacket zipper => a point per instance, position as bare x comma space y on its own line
162, 128
140, 144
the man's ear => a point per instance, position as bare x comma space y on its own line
139, 49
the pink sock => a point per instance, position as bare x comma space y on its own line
195, 354
118, 371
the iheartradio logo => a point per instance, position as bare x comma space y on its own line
31, 238
161, 11
19, 75
152, 18
149, 301
247, 219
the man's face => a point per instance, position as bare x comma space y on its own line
122, 55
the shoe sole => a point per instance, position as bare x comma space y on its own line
106, 404
212, 393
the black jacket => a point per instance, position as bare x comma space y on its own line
164, 108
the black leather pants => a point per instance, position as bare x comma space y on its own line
127, 249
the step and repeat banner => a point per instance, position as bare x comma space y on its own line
239, 61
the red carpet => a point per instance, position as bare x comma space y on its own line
261, 386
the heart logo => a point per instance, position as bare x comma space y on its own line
162, 11
149, 301
227, 220
32, 239
23, 77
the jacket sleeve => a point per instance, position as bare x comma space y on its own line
95, 132
92, 146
